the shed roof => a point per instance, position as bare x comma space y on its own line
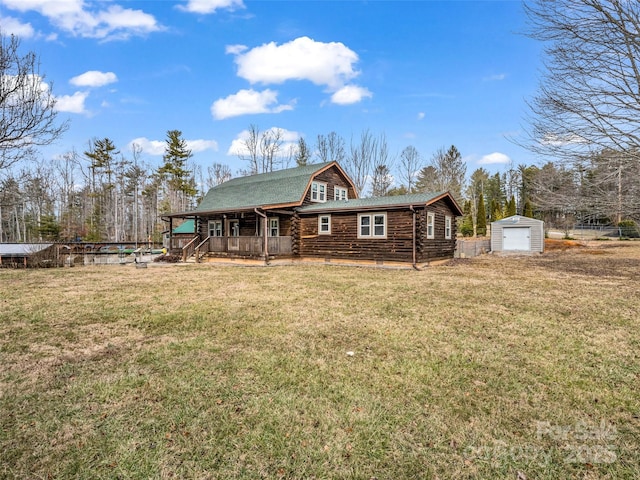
22, 249
396, 201
188, 226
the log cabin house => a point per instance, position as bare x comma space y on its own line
312, 213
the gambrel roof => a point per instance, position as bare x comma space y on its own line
282, 188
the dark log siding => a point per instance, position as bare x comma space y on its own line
438, 247
331, 177
343, 243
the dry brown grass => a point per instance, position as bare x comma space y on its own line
204, 371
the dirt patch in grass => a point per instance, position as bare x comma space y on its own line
595, 259
557, 244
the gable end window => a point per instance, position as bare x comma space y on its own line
318, 192
372, 225
324, 224
447, 227
340, 193
431, 220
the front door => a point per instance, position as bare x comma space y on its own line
234, 234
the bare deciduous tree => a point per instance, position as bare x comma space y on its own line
330, 148
361, 161
261, 150
409, 166
251, 150
27, 106
270, 145
218, 173
589, 96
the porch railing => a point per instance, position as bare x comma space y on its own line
189, 248
178, 243
202, 249
250, 245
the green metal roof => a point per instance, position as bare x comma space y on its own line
262, 190
372, 203
188, 226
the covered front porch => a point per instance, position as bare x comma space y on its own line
245, 234
237, 246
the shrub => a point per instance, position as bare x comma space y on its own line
629, 229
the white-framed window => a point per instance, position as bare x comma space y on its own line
274, 227
447, 227
215, 228
340, 193
318, 192
324, 224
431, 225
372, 225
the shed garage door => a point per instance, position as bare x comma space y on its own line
516, 238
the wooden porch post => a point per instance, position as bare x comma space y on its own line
170, 234
265, 232
265, 236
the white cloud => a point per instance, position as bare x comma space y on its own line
72, 103
494, 158
350, 94
75, 17
210, 6
330, 64
495, 78
13, 26
420, 115
235, 49
157, 147
197, 146
289, 141
247, 102
150, 147
94, 78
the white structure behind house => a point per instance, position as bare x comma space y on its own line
517, 234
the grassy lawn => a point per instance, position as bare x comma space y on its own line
485, 368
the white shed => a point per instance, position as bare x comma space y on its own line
517, 234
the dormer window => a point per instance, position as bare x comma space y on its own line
318, 192
340, 193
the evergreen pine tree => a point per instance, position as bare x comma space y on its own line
466, 226
481, 219
511, 207
528, 209
180, 183
302, 154
496, 212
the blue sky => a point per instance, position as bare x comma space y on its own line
423, 73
